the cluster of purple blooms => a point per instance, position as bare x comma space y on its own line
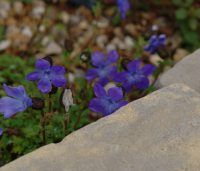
18, 100
105, 70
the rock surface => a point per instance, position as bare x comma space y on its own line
187, 71
160, 132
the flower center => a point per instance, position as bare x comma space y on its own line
47, 72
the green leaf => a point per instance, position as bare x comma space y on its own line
181, 14
177, 2
193, 23
187, 3
197, 12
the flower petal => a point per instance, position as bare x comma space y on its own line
42, 64
10, 106
1, 131
162, 39
112, 72
143, 84
128, 86
148, 69
91, 74
120, 77
44, 85
33, 76
16, 92
98, 105
97, 58
58, 69
115, 93
103, 81
113, 56
59, 81
122, 103
99, 90
134, 65
123, 7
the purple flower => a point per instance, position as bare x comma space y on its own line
46, 75
135, 76
104, 67
17, 102
107, 102
123, 7
155, 42
1, 131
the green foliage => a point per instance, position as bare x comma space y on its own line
187, 17
181, 14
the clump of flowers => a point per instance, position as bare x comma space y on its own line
47, 75
135, 76
123, 7
17, 102
155, 42
106, 103
104, 67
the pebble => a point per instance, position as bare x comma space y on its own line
118, 32
110, 47
4, 9
18, 7
45, 41
110, 85
12, 29
102, 23
155, 59
27, 31
42, 28
38, 9
53, 48
65, 17
129, 42
119, 43
101, 41
71, 77
75, 19
83, 25
4, 44
132, 30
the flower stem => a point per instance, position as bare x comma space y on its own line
66, 123
77, 121
50, 104
43, 124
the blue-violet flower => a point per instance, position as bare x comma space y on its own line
107, 102
46, 75
104, 67
155, 42
123, 7
17, 102
135, 76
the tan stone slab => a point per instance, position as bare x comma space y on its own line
160, 132
187, 71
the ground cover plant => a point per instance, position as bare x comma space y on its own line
66, 64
